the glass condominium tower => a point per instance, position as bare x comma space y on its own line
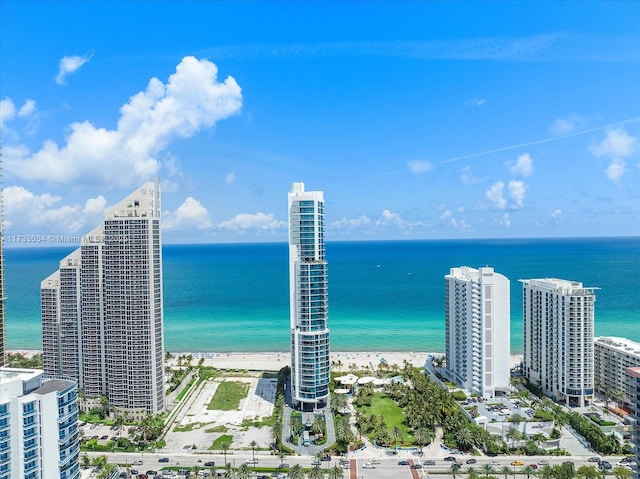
308, 299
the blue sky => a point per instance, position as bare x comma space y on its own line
417, 120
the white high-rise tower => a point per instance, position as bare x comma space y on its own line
308, 299
477, 314
558, 338
102, 311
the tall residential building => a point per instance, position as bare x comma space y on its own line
308, 299
102, 311
612, 357
3, 351
477, 314
634, 399
558, 338
39, 436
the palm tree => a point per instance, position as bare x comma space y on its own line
296, 472
315, 473
506, 470
472, 473
225, 447
464, 438
228, 470
528, 471
335, 472
243, 472
253, 445
487, 470
620, 472
396, 432
454, 469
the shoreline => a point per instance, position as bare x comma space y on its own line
343, 361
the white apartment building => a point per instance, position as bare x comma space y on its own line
102, 311
558, 338
612, 357
308, 299
39, 437
477, 318
634, 399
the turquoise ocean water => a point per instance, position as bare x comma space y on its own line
383, 295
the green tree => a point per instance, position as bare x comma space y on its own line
335, 472
315, 473
296, 472
487, 470
506, 471
620, 472
528, 471
472, 473
243, 472
225, 447
253, 445
454, 469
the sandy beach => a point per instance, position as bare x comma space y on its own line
273, 361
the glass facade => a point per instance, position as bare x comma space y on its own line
309, 299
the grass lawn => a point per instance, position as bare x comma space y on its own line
228, 396
393, 415
217, 444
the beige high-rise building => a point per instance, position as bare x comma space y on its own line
558, 338
102, 311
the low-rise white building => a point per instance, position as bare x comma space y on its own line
612, 357
39, 436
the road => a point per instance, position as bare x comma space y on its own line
385, 468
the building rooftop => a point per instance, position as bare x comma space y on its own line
635, 372
565, 286
624, 345
8, 374
50, 385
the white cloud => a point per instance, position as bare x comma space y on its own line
459, 224
230, 178
28, 213
351, 224
419, 166
70, 65
494, 195
190, 214
446, 215
258, 222
191, 100
517, 190
567, 125
95, 206
468, 178
505, 220
616, 169
8, 111
617, 146
475, 102
523, 166
555, 216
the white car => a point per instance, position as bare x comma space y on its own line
368, 465
251, 461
